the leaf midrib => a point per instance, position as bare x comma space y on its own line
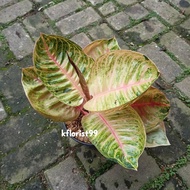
52, 57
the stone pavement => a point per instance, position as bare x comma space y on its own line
33, 155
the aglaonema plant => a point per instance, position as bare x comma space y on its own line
110, 87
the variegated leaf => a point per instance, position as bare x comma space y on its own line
100, 47
157, 137
43, 101
121, 135
119, 77
153, 107
54, 69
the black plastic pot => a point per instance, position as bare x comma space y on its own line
81, 142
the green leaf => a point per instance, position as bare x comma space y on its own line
153, 107
54, 69
119, 77
121, 135
43, 101
157, 137
100, 47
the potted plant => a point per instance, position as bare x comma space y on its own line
101, 89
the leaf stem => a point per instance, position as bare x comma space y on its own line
82, 80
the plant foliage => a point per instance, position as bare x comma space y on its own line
110, 86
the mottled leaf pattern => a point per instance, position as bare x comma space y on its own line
112, 87
119, 77
153, 107
100, 47
43, 101
157, 137
54, 69
121, 135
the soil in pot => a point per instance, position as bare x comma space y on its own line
79, 134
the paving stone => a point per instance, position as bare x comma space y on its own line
186, 25
81, 39
77, 21
34, 184
144, 31
19, 129
12, 12
62, 9
179, 47
164, 10
168, 68
19, 41
5, 2
3, 113
119, 21
136, 11
124, 2
95, 2
183, 86
169, 186
12, 88
184, 172
169, 154
103, 31
66, 175
173, 184
121, 178
91, 159
36, 24
42, 2
184, 5
108, 8
40, 153
179, 116
72, 143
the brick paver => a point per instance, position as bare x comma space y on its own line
3, 114
35, 24
120, 178
61, 9
19, 41
179, 116
144, 31
123, 2
183, 5
91, 159
33, 155
39, 152
81, 39
136, 11
119, 21
11, 13
108, 8
184, 172
182, 51
186, 25
77, 21
95, 2
183, 86
66, 175
164, 10
5, 2
168, 68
